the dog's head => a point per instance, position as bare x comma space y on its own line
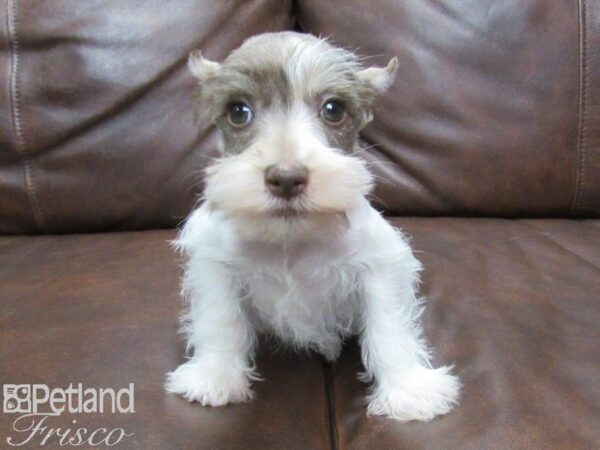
289, 107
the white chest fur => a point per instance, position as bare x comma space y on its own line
305, 293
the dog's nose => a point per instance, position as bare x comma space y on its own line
286, 181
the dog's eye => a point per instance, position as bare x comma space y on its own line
239, 114
333, 111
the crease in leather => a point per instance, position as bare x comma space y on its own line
131, 97
456, 17
127, 101
548, 237
18, 133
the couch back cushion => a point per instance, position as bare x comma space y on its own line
97, 129
495, 110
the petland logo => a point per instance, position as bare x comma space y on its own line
37, 404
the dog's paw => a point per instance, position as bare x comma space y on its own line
420, 394
211, 382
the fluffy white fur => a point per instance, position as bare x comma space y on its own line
312, 270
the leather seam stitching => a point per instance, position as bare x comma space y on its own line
16, 117
583, 99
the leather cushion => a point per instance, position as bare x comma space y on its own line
97, 127
513, 304
494, 110
103, 310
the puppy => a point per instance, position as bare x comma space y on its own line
286, 243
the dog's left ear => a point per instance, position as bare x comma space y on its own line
380, 78
200, 66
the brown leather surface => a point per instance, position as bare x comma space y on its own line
484, 116
15, 212
515, 305
495, 110
585, 200
96, 107
102, 310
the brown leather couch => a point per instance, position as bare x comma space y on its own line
488, 148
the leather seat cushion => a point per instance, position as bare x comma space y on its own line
515, 305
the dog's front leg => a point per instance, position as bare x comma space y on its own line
405, 387
221, 337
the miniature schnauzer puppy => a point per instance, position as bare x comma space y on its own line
286, 243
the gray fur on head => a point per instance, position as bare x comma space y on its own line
278, 70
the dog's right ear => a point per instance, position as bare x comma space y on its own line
380, 78
201, 67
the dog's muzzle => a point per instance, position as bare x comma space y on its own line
286, 181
